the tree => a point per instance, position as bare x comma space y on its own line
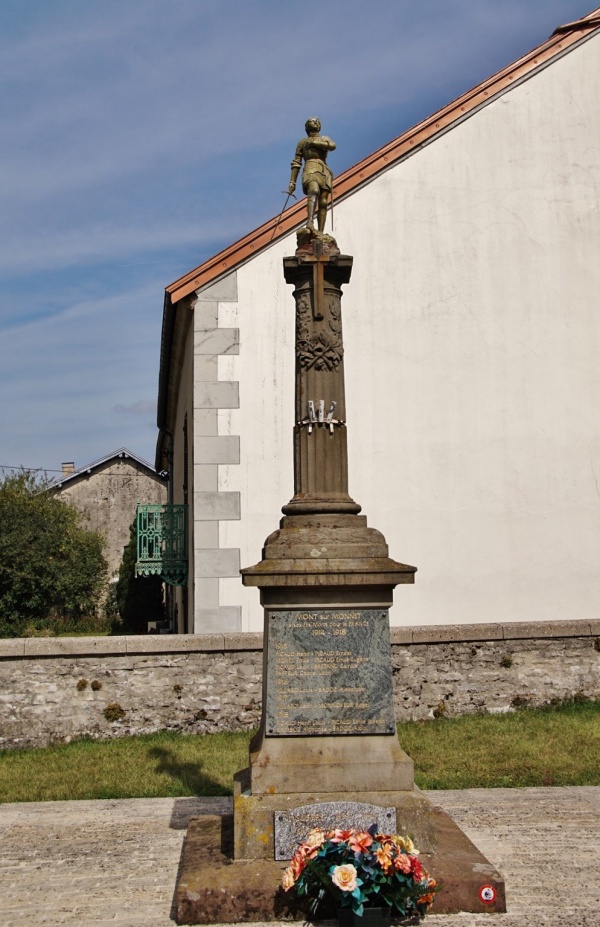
139, 599
52, 569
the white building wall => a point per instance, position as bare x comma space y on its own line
472, 338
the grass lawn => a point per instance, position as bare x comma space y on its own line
530, 747
551, 746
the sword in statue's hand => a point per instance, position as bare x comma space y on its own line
287, 194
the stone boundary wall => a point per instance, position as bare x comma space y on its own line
54, 689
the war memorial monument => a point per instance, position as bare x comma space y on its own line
327, 752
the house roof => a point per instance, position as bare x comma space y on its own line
381, 160
122, 453
562, 40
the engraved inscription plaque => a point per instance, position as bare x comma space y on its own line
292, 827
329, 671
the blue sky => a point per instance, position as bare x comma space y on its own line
141, 137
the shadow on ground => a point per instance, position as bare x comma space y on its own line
193, 807
210, 798
189, 775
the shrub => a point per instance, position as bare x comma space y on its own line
52, 569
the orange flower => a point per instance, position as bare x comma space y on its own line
288, 879
384, 857
360, 842
388, 845
426, 899
314, 839
297, 863
339, 836
429, 897
312, 844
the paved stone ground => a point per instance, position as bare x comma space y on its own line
101, 863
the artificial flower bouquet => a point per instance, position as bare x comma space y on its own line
361, 870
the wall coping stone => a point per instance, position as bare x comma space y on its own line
518, 629
244, 640
171, 643
59, 646
401, 635
12, 647
185, 643
441, 634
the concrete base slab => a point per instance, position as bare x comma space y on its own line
213, 888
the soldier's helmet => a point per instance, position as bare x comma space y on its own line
312, 123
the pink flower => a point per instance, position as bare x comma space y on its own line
402, 863
344, 877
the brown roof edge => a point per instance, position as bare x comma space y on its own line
591, 19
400, 147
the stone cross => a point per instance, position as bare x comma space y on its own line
318, 287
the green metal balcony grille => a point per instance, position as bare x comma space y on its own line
162, 542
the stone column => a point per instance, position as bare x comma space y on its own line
320, 445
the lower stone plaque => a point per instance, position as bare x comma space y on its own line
292, 827
329, 671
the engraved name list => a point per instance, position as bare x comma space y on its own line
329, 672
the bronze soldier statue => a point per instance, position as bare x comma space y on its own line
317, 179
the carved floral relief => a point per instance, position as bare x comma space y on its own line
318, 345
